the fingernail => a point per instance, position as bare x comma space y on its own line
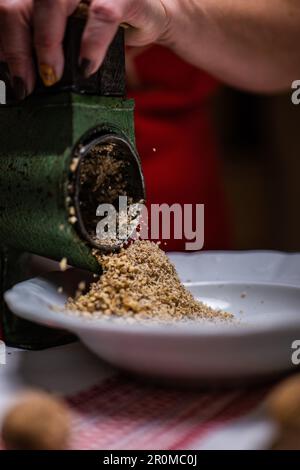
19, 88
85, 68
48, 74
82, 11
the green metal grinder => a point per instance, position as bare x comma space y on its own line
44, 141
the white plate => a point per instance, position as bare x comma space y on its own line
262, 289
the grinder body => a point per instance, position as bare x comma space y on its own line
38, 143
39, 140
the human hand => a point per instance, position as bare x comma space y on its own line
40, 24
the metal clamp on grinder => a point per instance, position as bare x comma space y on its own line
44, 143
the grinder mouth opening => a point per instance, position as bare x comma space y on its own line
108, 167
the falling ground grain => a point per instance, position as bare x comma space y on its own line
140, 283
103, 178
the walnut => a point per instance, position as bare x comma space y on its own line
37, 422
283, 403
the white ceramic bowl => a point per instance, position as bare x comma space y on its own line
262, 289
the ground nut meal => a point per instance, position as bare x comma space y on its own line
139, 284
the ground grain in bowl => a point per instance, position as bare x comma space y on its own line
139, 284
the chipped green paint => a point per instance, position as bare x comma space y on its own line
37, 139
35, 155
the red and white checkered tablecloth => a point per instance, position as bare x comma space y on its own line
123, 414
111, 411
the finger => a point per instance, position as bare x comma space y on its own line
148, 23
49, 22
16, 47
103, 21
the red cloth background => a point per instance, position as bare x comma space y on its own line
173, 117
